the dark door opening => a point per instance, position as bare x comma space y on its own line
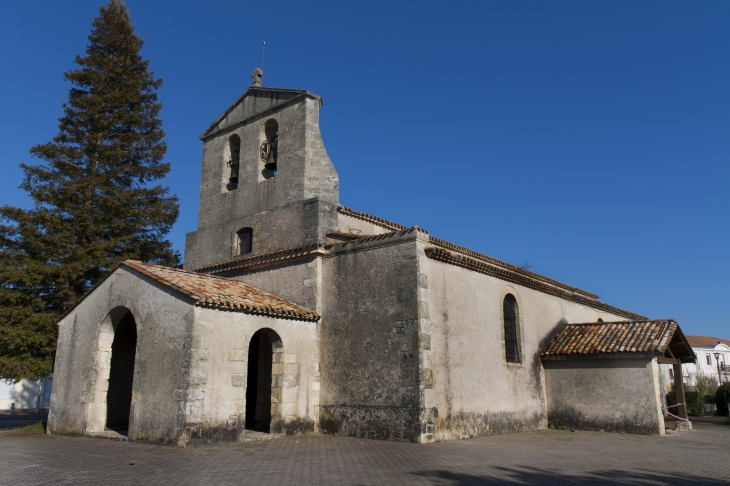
121, 374
258, 386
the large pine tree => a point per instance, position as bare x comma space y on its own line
95, 203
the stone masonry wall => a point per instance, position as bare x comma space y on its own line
369, 340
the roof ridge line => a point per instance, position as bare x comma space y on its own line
219, 266
628, 321
384, 223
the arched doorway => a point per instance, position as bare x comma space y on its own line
264, 352
121, 374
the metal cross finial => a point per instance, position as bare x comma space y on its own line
257, 75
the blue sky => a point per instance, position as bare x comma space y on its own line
588, 139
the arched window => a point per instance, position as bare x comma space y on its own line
511, 336
244, 241
600, 320
270, 148
234, 158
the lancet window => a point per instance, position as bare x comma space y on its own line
511, 334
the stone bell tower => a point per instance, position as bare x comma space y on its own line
267, 182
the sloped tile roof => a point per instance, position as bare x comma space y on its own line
214, 292
223, 293
706, 341
594, 338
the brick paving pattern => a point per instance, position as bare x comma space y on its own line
701, 456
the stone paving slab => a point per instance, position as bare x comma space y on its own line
697, 457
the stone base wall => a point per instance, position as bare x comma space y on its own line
464, 425
381, 423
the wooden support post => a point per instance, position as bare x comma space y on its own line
679, 389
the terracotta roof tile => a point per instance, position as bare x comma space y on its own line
222, 293
593, 338
214, 292
706, 341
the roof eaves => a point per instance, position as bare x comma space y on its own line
466, 251
626, 338
383, 223
248, 261
524, 280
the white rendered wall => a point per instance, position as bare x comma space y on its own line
24, 394
475, 391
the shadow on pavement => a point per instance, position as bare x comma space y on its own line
528, 475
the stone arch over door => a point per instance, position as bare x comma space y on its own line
264, 382
111, 376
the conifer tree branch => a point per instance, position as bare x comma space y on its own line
93, 202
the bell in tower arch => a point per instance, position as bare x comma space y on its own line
271, 157
269, 149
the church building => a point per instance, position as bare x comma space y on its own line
297, 315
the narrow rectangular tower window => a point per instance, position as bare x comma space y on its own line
245, 241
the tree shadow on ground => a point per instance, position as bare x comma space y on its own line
533, 475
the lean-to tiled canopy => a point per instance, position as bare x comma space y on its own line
662, 338
220, 292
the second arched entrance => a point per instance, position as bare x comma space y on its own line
121, 373
264, 380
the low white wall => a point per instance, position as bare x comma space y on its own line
24, 394
613, 395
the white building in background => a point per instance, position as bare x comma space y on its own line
704, 348
708, 364
26, 394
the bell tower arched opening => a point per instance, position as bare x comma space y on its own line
121, 374
270, 149
233, 160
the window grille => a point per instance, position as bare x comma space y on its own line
245, 241
511, 339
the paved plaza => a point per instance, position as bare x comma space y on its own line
700, 456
